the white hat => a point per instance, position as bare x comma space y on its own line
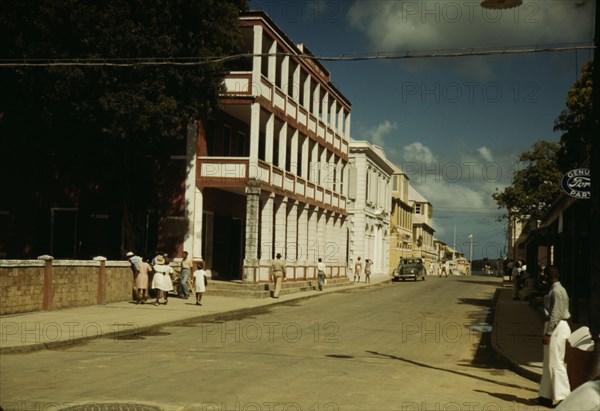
129, 254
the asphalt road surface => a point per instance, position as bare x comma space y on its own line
403, 346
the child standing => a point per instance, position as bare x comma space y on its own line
199, 282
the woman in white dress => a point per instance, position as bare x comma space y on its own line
162, 279
199, 282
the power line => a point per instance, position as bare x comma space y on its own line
380, 55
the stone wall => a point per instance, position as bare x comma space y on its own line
48, 284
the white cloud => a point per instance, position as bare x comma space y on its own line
418, 154
377, 134
426, 24
485, 153
401, 25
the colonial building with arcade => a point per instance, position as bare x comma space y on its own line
268, 173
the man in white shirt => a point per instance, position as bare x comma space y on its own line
555, 381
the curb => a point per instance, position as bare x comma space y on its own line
512, 365
190, 320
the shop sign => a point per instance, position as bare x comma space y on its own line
577, 183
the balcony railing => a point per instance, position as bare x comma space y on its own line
236, 171
240, 83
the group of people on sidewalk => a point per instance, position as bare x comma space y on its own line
358, 270
163, 274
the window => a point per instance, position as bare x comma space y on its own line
417, 208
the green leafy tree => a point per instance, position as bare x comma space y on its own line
536, 184
575, 122
95, 136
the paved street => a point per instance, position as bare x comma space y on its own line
406, 346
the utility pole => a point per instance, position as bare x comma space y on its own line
595, 201
471, 255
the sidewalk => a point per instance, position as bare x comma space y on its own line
45, 329
517, 334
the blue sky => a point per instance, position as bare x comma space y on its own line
455, 125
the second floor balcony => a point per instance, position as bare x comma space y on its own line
236, 172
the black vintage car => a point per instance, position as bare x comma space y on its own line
410, 268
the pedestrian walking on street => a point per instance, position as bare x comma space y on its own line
368, 265
320, 274
141, 282
186, 269
357, 270
445, 268
135, 261
162, 282
518, 278
555, 381
278, 268
200, 282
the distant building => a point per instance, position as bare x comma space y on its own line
422, 226
401, 228
369, 205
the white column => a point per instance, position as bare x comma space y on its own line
339, 176
306, 101
303, 233
280, 224
285, 73
283, 145
252, 227
196, 247
314, 164
291, 233
330, 169
340, 121
269, 138
296, 84
325, 109
321, 228
266, 227
333, 116
304, 157
257, 59
294, 152
253, 172
272, 71
192, 241
316, 100
323, 166
347, 127
313, 242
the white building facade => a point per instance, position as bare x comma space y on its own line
369, 206
268, 173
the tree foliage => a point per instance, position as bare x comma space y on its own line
536, 183
575, 122
95, 136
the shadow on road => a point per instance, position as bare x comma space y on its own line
463, 374
509, 398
